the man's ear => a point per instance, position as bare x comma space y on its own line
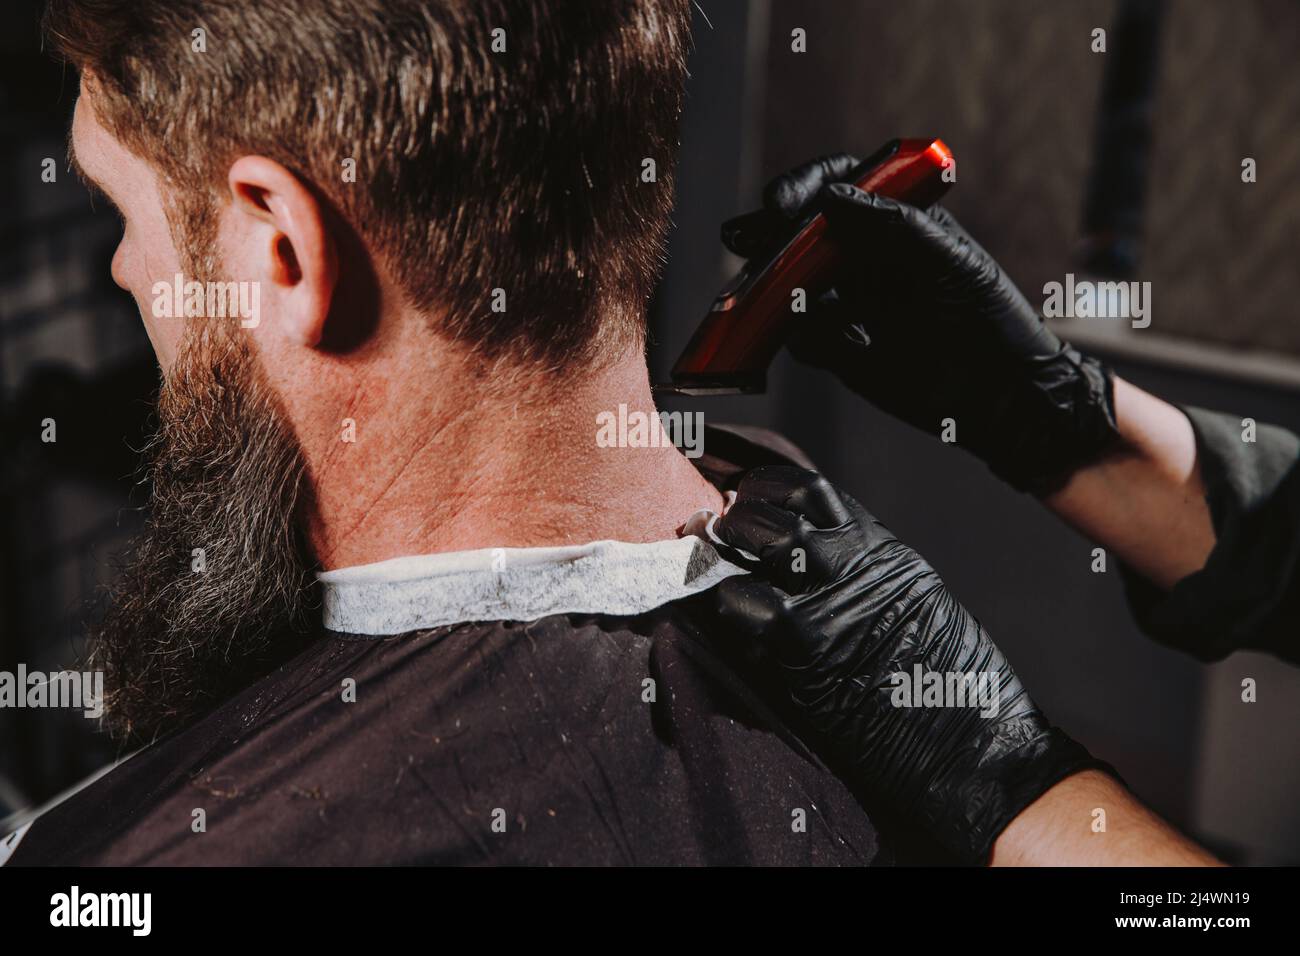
300, 254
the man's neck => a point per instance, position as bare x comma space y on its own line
440, 465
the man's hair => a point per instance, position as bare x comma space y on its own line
476, 170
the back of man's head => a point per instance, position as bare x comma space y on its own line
475, 145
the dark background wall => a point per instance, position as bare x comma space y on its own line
1014, 88
72, 349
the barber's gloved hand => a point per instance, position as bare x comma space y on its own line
839, 607
924, 324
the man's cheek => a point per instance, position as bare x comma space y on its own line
153, 287
157, 301
163, 338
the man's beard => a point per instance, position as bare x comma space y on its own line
186, 628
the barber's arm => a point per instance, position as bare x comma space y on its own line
906, 695
924, 324
1207, 525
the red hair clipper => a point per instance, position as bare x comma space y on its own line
751, 317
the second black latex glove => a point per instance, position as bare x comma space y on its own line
922, 322
838, 607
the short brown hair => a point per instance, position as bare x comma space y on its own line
475, 170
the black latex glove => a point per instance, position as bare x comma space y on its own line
924, 324
838, 606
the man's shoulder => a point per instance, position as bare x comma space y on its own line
569, 739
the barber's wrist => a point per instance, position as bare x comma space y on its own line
1022, 778
1057, 419
1060, 829
996, 792
1145, 500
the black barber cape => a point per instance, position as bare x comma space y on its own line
495, 742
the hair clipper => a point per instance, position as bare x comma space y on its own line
752, 316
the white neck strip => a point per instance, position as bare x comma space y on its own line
517, 584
